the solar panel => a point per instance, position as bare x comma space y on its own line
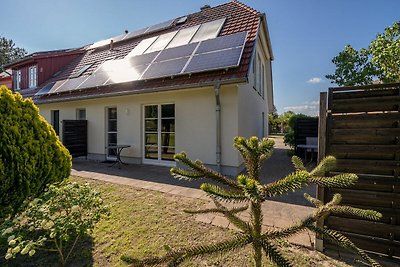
160, 26
223, 42
142, 59
142, 46
70, 84
208, 30
107, 41
96, 79
45, 89
135, 33
165, 68
183, 36
161, 42
126, 74
56, 86
176, 52
214, 60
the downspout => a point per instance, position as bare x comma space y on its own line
218, 123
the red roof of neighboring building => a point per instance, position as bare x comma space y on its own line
239, 18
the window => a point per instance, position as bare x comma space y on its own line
255, 72
81, 114
32, 78
82, 70
55, 121
17, 80
258, 84
262, 80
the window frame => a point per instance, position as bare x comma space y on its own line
32, 76
17, 80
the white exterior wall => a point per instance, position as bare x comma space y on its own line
195, 122
252, 103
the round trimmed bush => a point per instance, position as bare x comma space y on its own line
31, 155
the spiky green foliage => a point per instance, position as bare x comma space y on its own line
247, 188
31, 155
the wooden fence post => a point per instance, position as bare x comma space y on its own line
321, 154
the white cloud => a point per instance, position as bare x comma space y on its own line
310, 108
315, 80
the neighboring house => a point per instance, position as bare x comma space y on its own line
33, 71
188, 84
5, 78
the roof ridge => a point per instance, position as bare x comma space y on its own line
245, 6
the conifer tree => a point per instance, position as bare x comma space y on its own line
250, 193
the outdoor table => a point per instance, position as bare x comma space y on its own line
311, 148
118, 149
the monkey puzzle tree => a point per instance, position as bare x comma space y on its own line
248, 190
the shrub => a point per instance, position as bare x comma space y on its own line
250, 193
31, 155
55, 221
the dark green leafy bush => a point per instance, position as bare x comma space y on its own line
31, 155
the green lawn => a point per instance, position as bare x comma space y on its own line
142, 222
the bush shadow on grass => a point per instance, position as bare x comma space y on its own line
81, 256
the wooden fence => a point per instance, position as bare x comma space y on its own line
360, 126
74, 137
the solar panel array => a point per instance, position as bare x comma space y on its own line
150, 29
219, 53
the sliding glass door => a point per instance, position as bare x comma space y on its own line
159, 134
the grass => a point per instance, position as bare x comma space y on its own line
142, 222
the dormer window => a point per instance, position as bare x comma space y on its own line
17, 80
32, 77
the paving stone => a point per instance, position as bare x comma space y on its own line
220, 221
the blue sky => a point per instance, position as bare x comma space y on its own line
305, 34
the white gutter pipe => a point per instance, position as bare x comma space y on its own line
218, 123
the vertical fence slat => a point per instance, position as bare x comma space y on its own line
321, 154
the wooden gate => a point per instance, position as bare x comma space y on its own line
74, 137
362, 130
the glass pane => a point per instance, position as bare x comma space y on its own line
168, 139
112, 113
112, 125
151, 152
112, 139
208, 30
161, 42
168, 125
183, 36
167, 153
151, 125
151, 111
151, 139
168, 111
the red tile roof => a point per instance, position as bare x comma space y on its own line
239, 18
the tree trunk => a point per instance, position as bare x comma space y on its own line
257, 222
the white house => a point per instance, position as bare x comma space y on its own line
189, 84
